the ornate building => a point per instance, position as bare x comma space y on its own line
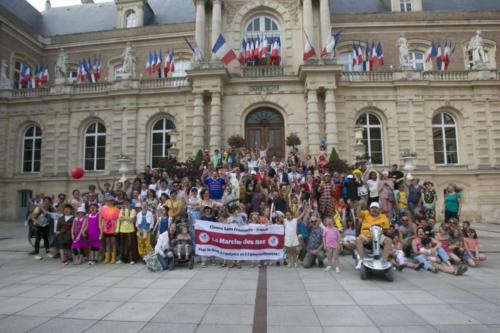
451, 119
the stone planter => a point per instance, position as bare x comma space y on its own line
409, 163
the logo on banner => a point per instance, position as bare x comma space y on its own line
273, 241
204, 237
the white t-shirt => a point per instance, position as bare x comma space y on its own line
372, 187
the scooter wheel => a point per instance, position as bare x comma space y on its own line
389, 274
362, 272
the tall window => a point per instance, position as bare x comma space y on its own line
372, 136
180, 68
94, 147
417, 60
346, 62
444, 132
405, 5
130, 19
32, 147
72, 76
160, 140
262, 25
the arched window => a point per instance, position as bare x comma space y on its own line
259, 30
372, 136
160, 140
444, 133
94, 147
32, 147
181, 66
417, 60
130, 19
262, 25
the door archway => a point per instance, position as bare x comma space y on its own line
266, 126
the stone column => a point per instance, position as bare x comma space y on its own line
307, 11
200, 25
216, 22
331, 119
313, 121
324, 12
215, 122
198, 126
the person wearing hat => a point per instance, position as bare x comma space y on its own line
79, 243
368, 218
109, 219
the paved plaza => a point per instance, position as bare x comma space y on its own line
45, 296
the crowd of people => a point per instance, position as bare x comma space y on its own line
324, 213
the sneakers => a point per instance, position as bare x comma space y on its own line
38, 257
328, 268
132, 263
358, 265
337, 269
50, 255
119, 262
203, 265
434, 270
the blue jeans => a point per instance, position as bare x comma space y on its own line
421, 260
165, 262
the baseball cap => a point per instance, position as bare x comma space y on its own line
374, 204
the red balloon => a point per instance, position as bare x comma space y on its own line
77, 172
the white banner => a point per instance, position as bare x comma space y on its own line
234, 242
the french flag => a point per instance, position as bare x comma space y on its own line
25, 74
439, 57
248, 50
275, 52
45, 75
148, 63
309, 51
172, 61
360, 54
265, 47
380, 54
431, 53
374, 56
223, 51
242, 53
256, 53
354, 55
166, 67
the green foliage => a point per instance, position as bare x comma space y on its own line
334, 156
199, 156
293, 140
236, 141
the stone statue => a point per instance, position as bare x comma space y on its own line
129, 60
61, 72
403, 47
3, 70
476, 47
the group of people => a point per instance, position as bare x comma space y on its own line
324, 214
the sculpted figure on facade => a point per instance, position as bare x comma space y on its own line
61, 71
403, 47
3, 70
129, 60
476, 47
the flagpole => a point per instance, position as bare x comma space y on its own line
309, 41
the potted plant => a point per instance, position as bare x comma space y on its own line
409, 158
293, 140
236, 141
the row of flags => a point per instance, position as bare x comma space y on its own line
89, 71
157, 65
33, 79
369, 58
260, 50
442, 55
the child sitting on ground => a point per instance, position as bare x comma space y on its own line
471, 243
400, 260
428, 252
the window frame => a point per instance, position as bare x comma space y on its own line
443, 126
413, 61
126, 20
96, 134
164, 131
369, 126
405, 5
34, 138
262, 27
178, 73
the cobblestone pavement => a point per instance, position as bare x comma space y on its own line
45, 296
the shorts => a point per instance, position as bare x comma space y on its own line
368, 240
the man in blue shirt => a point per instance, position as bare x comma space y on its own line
215, 186
314, 244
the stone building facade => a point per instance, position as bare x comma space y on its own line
450, 119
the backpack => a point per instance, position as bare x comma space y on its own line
152, 263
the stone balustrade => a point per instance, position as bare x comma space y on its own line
35, 92
446, 75
90, 88
261, 71
367, 76
160, 83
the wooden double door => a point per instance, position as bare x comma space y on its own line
265, 127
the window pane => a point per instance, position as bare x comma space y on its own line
38, 143
452, 157
28, 144
274, 137
89, 153
89, 164
451, 145
437, 133
101, 152
167, 140
91, 128
256, 24
377, 158
275, 27
36, 166
27, 166
438, 145
37, 154
158, 125
27, 154
157, 150
169, 124
29, 131
89, 141
437, 120
418, 56
157, 138
376, 133
438, 157
448, 119
101, 128
361, 120
100, 164
376, 145
268, 24
101, 141
373, 119
155, 163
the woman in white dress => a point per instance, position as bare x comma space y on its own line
291, 236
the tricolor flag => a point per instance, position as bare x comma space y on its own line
172, 61
166, 66
45, 75
196, 51
374, 55
148, 63
248, 50
223, 51
367, 60
256, 53
90, 72
309, 51
276, 52
265, 47
448, 53
380, 54
24, 74
330, 46
354, 55
360, 54
439, 57
35, 79
431, 53
242, 53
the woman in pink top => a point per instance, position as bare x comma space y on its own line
332, 244
471, 243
